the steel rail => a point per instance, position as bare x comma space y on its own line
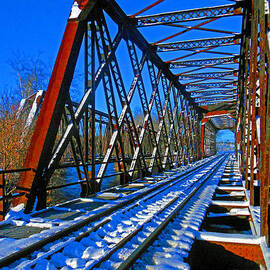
137, 252
154, 235
75, 227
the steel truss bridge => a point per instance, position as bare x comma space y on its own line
151, 103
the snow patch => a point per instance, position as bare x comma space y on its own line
17, 212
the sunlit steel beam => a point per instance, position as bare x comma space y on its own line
199, 43
189, 15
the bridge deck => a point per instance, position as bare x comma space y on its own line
154, 222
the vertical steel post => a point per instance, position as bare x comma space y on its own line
86, 85
2, 193
202, 139
247, 158
93, 107
252, 93
264, 190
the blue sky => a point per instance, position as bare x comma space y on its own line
31, 28
225, 135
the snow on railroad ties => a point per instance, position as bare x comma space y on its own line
171, 248
69, 253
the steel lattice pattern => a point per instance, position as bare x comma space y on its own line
182, 16
162, 101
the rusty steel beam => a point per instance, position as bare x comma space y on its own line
264, 112
146, 8
243, 106
251, 252
204, 29
252, 95
253, 105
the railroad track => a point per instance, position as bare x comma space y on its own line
117, 237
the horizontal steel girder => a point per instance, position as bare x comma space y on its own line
199, 43
210, 85
208, 93
208, 75
216, 96
213, 101
205, 62
188, 15
210, 90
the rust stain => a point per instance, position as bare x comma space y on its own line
247, 251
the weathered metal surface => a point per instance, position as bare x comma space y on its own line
247, 251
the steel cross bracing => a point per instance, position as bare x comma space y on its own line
200, 43
211, 91
209, 94
147, 107
211, 78
210, 85
209, 75
205, 62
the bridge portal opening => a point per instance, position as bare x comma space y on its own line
225, 141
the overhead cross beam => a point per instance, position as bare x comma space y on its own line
188, 15
205, 62
208, 75
212, 90
212, 93
216, 96
210, 85
215, 101
199, 43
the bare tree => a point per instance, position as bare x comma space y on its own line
31, 73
